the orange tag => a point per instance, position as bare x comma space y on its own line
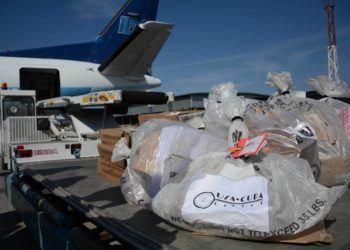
246, 146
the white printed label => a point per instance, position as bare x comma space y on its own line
220, 201
253, 145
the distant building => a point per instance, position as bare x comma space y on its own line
181, 102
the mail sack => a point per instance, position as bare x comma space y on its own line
257, 198
162, 149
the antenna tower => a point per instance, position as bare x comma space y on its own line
333, 66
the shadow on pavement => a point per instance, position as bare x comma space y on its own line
13, 233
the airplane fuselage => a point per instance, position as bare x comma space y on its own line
73, 77
119, 58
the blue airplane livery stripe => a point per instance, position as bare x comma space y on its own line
80, 52
75, 91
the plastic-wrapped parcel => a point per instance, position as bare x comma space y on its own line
343, 112
287, 135
161, 142
282, 81
333, 144
324, 86
223, 113
272, 196
264, 197
318, 120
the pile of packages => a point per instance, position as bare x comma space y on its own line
111, 171
259, 170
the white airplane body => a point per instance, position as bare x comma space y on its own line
76, 77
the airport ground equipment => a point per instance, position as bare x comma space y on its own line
28, 137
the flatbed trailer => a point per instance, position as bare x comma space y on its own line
66, 205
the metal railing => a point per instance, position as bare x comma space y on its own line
24, 130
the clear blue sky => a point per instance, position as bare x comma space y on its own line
212, 41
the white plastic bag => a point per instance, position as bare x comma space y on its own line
343, 112
333, 144
324, 86
287, 135
184, 176
121, 150
273, 196
223, 113
281, 80
155, 142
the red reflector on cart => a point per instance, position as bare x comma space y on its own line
4, 86
24, 153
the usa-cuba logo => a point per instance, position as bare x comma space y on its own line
207, 199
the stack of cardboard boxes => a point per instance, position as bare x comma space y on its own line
105, 168
182, 116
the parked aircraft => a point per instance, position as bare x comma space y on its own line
119, 58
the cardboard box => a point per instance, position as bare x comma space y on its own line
316, 234
114, 169
333, 170
184, 117
110, 171
105, 151
145, 117
181, 116
110, 136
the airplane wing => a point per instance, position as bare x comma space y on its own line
135, 58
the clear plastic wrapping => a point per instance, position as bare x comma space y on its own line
284, 129
256, 199
282, 81
121, 150
184, 176
153, 144
333, 144
324, 86
223, 113
343, 112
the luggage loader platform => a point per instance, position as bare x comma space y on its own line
99, 202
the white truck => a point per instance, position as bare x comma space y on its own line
27, 137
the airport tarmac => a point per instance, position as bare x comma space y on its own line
13, 232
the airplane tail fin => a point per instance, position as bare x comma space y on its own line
117, 34
122, 27
134, 59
